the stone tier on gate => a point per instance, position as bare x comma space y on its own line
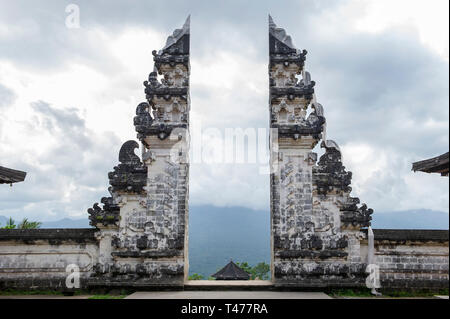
168, 104
316, 225
142, 226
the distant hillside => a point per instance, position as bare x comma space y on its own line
67, 223
411, 219
3, 221
218, 234
62, 223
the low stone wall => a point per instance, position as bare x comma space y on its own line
37, 258
412, 259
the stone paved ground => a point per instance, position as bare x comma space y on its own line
218, 295
227, 295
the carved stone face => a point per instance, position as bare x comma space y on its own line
289, 112
172, 111
175, 76
284, 76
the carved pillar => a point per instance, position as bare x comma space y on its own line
145, 220
315, 225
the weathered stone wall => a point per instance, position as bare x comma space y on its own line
37, 258
412, 259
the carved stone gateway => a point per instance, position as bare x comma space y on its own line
143, 225
316, 225
140, 236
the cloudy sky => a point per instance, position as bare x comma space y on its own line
68, 95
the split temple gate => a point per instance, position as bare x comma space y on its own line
319, 235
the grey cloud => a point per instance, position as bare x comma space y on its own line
41, 40
372, 86
7, 96
66, 117
69, 176
65, 123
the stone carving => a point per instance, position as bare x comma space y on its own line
168, 98
330, 175
299, 90
109, 215
281, 49
157, 92
290, 96
143, 119
135, 272
356, 217
176, 50
130, 175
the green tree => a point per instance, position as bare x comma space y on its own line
24, 224
245, 266
260, 271
195, 277
10, 224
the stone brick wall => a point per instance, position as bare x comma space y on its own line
412, 259
37, 258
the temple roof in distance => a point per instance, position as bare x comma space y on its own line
9, 176
438, 164
231, 272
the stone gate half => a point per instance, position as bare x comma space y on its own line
315, 223
143, 225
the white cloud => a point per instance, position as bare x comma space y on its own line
383, 178
428, 18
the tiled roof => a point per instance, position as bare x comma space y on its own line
231, 272
9, 176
